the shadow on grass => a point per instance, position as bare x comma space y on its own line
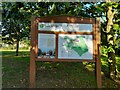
49, 74
15, 69
64, 75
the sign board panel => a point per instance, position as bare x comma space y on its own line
46, 45
69, 46
75, 46
65, 27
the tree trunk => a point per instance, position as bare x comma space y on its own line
112, 65
17, 47
17, 43
110, 44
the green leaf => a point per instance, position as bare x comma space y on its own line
52, 8
75, 9
99, 9
116, 27
110, 49
118, 20
104, 4
67, 4
109, 3
115, 5
69, 13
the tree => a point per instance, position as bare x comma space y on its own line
14, 22
109, 13
110, 31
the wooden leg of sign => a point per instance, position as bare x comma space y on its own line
32, 73
98, 70
98, 73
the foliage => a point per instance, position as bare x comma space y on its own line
13, 22
104, 50
18, 14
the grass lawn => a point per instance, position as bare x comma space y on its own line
15, 70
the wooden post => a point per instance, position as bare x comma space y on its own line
32, 54
98, 61
56, 51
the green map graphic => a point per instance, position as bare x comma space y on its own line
78, 44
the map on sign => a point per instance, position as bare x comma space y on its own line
75, 46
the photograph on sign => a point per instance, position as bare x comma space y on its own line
75, 46
65, 27
46, 45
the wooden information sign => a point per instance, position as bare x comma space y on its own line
65, 39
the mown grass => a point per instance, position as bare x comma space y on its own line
15, 71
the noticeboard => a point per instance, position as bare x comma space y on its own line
70, 46
64, 39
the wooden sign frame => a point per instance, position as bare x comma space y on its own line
64, 19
